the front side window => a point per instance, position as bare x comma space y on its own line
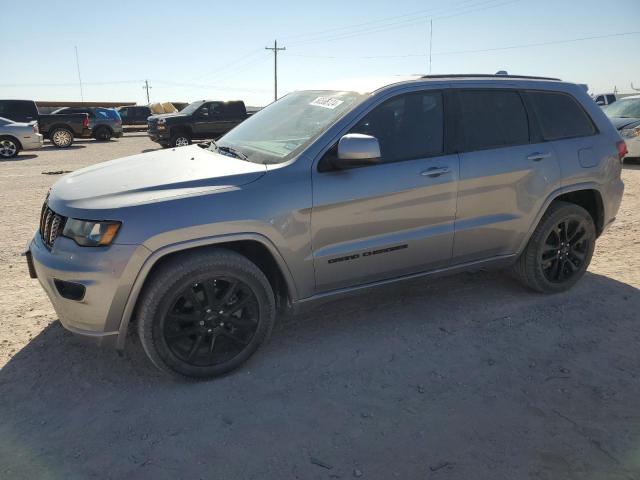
409, 126
560, 116
492, 119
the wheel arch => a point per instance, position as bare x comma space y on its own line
11, 137
58, 126
586, 195
255, 247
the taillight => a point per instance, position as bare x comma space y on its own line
622, 149
85, 122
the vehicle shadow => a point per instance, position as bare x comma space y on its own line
18, 158
50, 147
388, 370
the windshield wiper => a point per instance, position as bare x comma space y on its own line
229, 150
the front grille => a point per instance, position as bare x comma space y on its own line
51, 225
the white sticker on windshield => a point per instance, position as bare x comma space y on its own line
326, 102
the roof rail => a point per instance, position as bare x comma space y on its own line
489, 75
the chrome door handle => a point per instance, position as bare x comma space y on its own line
537, 156
435, 171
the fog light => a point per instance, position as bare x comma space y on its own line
70, 290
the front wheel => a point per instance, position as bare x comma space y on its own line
62, 137
204, 314
559, 250
180, 140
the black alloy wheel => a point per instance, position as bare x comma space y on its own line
211, 322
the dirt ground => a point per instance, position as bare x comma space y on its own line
465, 377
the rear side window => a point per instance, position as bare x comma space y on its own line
407, 127
492, 119
560, 116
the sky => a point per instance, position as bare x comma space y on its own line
192, 50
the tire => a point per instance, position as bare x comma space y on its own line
559, 250
61, 137
103, 134
180, 140
204, 314
9, 147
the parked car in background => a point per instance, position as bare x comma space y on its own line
625, 116
16, 136
105, 123
60, 129
201, 120
603, 99
322, 193
134, 116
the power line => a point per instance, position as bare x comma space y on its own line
480, 50
485, 5
275, 51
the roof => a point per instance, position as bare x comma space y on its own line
371, 84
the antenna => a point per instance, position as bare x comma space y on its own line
79, 77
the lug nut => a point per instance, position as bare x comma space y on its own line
201, 322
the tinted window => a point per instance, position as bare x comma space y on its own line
611, 99
17, 110
492, 119
408, 126
560, 116
124, 113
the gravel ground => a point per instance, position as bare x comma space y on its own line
465, 377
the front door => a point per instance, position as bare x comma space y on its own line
394, 218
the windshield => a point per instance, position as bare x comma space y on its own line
192, 107
629, 108
284, 128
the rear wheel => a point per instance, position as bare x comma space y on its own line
559, 250
204, 314
9, 147
103, 134
180, 140
62, 137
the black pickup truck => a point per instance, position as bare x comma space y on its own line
201, 120
60, 129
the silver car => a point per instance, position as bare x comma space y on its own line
323, 192
16, 136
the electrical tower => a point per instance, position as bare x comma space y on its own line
275, 50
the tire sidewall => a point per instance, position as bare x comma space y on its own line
177, 136
161, 295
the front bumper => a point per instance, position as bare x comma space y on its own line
106, 273
159, 136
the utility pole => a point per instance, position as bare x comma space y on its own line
147, 87
275, 50
79, 77
430, 42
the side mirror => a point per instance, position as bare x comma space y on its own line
356, 150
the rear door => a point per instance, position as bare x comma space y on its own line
506, 173
394, 218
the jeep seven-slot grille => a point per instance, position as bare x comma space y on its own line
51, 225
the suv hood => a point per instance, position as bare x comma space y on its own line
150, 177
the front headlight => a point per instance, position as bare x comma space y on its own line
90, 234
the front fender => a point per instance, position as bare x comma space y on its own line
162, 252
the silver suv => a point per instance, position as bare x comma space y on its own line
324, 192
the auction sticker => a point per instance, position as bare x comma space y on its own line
326, 102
